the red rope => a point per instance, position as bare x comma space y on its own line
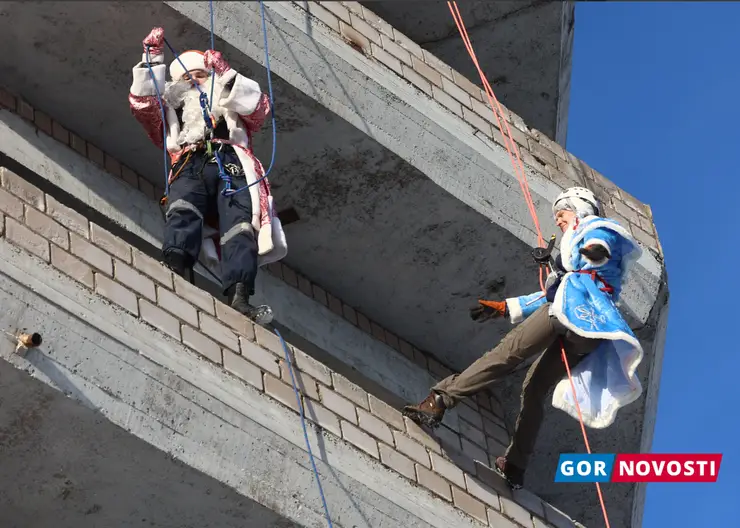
522, 178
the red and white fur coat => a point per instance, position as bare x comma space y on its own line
244, 108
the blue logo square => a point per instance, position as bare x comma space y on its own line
584, 467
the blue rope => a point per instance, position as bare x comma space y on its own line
164, 124
213, 47
272, 103
206, 106
303, 423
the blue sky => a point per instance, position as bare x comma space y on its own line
654, 107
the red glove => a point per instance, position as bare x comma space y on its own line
215, 61
154, 41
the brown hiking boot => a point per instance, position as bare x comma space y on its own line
513, 475
429, 412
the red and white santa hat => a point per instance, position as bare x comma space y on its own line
191, 59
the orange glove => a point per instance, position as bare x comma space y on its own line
488, 309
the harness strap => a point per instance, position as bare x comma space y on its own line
595, 276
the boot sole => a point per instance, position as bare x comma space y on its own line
508, 482
262, 315
421, 418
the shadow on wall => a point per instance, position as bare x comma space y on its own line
78, 184
93, 473
335, 77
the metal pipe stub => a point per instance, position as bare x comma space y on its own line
30, 340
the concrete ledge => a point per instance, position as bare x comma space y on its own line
68, 170
225, 429
129, 369
354, 351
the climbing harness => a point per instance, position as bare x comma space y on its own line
210, 123
206, 106
607, 288
521, 177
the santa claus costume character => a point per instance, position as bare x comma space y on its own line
204, 214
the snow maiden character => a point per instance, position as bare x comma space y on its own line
578, 313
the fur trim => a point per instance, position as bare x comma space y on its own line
244, 96
191, 59
608, 415
142, 84
515, 311
153, 59
264, 241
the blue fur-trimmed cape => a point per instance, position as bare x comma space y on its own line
605, 379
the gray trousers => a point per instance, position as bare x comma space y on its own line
538, 332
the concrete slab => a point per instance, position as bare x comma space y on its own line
525, 49
192, 410
63, 464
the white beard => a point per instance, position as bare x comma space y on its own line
182, 94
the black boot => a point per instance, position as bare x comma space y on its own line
238, 298
513, 475
181, 263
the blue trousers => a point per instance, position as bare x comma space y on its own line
194, 196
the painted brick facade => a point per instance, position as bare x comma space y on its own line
398, 444
368, 34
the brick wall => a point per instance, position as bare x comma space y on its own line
55, 129
484, 428
371, 36
446, 463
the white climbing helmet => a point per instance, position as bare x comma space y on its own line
580, 200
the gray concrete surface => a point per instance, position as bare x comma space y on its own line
524, 47
323, 334
193, 411
64, 465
